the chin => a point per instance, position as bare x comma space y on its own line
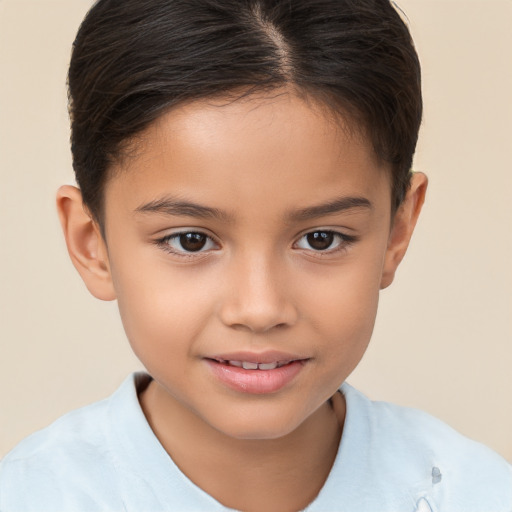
257, 427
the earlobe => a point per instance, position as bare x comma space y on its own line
85, 243
403, 226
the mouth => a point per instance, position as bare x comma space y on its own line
251, 365
249, 373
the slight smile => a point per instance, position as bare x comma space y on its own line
247, 365
256, 373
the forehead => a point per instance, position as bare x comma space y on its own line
259, 149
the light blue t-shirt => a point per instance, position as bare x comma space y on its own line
105, 457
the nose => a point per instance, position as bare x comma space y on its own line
257, 296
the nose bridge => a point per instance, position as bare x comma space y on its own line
257, 297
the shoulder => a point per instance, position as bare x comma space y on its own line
72, 429
463, 475
73, 454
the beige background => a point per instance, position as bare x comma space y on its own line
443, 340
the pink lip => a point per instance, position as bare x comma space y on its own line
255, 381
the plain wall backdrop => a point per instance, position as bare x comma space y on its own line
443, 338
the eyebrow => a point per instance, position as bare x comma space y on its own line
339, 205
177, 207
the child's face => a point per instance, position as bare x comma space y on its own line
289, 243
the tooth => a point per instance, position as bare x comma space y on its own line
249, 366
267, 366
282, 363
238, 364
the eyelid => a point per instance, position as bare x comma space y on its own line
162, 242
346, 240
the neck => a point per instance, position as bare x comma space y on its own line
252, 475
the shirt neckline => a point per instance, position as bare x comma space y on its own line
144, 456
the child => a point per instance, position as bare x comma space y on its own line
245, 192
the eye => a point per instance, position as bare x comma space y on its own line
324, 240
187, 242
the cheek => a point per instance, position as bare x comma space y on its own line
347, 322
163, 310
349, 292
343, 307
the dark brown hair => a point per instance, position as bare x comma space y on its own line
133, 60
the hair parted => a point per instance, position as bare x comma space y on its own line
133, 60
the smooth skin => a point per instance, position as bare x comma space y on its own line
290, 239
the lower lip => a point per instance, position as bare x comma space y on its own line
255, 381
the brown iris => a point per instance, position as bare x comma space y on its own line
320, 240
193, 242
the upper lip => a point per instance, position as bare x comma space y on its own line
269, 356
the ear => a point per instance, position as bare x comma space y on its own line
402, 227
85, 243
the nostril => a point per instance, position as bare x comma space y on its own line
255, 319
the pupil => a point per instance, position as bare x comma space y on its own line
192, 241
320, 240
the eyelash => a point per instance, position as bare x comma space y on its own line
344, 242
163, 243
